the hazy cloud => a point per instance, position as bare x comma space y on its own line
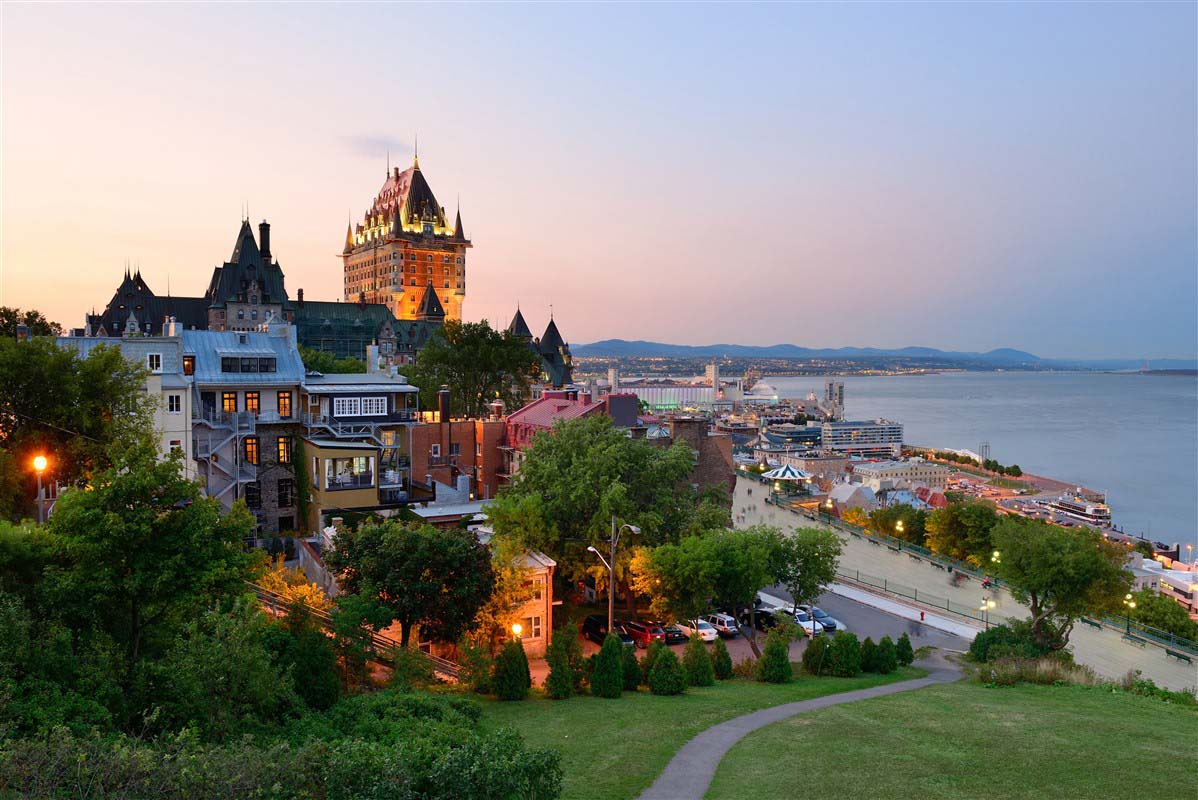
375, 145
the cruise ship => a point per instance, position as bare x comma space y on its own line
1079, 508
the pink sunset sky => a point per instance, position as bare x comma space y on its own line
966, 178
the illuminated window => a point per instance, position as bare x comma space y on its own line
228, 402
176, 446
251, 450
251, 402
284, 447
532, 628
189, 365
284, 404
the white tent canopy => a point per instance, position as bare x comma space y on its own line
786, 473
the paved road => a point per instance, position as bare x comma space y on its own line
690, 771
866, 621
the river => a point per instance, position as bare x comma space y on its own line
1132, 436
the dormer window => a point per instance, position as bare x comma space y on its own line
253, 299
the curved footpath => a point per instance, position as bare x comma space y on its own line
690, 771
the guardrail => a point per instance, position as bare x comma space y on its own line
383, 646
925, 598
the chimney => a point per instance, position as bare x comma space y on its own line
299, 296
372, 358
443, 403
264, 240
172, 328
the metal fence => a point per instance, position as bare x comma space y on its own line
926, 598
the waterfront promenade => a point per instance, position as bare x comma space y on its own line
918, 582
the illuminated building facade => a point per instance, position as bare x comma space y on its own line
405, 245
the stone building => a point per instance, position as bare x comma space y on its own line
404, 244
557, 364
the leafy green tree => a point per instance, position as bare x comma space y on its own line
774, 665
1060, 574
607, 680
573, 481
844, 655
914, 522
696, 661
632, 670
1157, 611
327, 363
904, 651
418, 575
560, 683
855, 516
1012, 640
299, 645
721, 660
806, 563
815, 656
869, 655
886, 657
963, 531
476, 665
512, 679
38, 325
667, 676
479, 365
651, 653
78, 412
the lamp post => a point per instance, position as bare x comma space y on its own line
985, 607
517, 629
39, 466
611, 567
1130, 604
898, 528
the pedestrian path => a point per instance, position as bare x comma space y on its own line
690, 771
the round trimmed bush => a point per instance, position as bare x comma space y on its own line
608, 678
697, 663
511, 679
721, 660
774, 664
632, 670
667, 677
869, 655
906, 653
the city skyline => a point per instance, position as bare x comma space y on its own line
965, 179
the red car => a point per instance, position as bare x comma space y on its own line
643, 633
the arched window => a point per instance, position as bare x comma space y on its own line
253, 299
241, 313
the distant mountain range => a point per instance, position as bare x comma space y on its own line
1002, 358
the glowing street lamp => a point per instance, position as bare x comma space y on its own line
1131, 604
996, 557
898, 526
985, 607
611, 567
39, 466
517, 629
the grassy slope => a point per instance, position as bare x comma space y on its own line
966, 740
615, 748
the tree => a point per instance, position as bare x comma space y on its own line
963, 531
418, 575
608, 678
886, 658
666, 677
774, 664
493, 622
914, 521
844, 655
511, 679
855, 516
479, 365
721, 660
869, 655
560, 683
301, 646
142, 551
696, 661
1060, 574
476, 666
904, 651
807, 562
38, 325
573, 481
574, 656
1157, 611
79, 412
327, 363
632, 670
815, 656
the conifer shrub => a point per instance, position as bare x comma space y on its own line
697, 663
560, 683
574, 655
844, 655
815, 656
667, 676
632, 670
651, 654
774, 664
511, 678
475, 666
906, 653
869, 655
721, 660
607, 679
886, 659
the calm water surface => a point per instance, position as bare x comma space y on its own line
1132, 436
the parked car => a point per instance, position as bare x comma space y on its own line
764, 619
830, 623
625, 638
643, 633
807, 623
674, 634
724, 625
701, 627
594, 628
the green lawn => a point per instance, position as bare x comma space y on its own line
965, 740
615, 748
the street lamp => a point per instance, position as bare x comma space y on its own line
898, 526
1131, 604
517, 629
39, 466
985, 607
611, 567
996, 557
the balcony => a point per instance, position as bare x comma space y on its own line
443, 461
238, 420
343, 482
391, 478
